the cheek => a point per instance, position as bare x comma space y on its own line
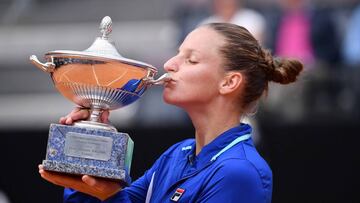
191, 87
202, 82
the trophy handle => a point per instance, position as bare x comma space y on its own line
48, 67
160, 81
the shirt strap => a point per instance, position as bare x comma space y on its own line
234, 142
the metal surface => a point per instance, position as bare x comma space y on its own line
99, 78
88, 146
47, 67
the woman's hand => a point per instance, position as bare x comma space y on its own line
81, 114
97, 187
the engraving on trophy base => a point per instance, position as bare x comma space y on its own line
88, 146
96, 152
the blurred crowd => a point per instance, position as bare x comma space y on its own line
326, 38
323, 34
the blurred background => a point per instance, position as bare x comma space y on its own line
308, 132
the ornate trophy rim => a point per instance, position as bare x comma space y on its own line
100, 57
102, 49
93, 90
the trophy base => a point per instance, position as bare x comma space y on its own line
78, 169
89, 151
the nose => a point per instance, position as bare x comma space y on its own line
171, 65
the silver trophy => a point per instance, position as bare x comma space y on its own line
99, 79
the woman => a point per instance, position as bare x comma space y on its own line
218, 75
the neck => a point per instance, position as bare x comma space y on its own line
209, 123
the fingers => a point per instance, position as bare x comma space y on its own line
74, 115
101, 188
46, 175
80, 114
105, 116
59, 178
89, 180
62, 120
97, 187
69, 121
40, 166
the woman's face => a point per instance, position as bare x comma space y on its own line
196, 70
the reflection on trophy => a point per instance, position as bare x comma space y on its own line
98, 78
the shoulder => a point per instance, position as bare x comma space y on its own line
243, 180
245, 171
236, 180
237, 168
244, 164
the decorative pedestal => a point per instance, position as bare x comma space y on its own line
95, 152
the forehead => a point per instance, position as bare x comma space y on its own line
203, 39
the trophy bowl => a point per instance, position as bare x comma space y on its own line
98, 79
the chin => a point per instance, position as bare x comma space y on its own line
167, 99
171, 100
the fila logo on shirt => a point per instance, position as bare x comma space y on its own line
178, 193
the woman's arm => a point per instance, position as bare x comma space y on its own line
134, 193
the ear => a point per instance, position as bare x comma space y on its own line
231, 82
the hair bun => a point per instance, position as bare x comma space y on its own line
283, 71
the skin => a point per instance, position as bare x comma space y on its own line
202, 87
97, 187
199, 84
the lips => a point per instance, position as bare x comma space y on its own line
170, 82
170, 78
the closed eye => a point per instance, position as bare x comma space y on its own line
191, 61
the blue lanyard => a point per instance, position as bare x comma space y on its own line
234, 142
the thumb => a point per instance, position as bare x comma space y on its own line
89, 180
